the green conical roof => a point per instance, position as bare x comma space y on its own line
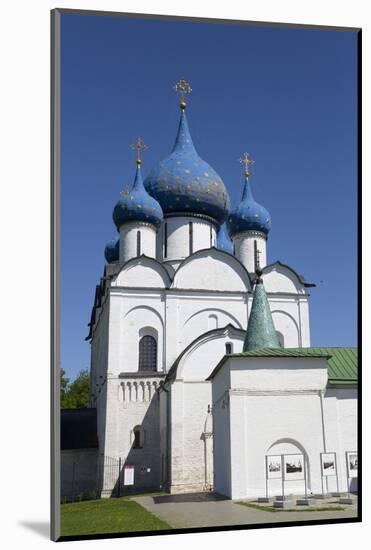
260, 329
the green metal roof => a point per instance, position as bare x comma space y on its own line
342, 362
342, 365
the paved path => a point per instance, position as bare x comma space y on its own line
207, 510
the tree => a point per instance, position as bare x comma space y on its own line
75, 395
64, 384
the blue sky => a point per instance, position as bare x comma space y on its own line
287, 96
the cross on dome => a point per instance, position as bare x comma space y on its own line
139, 146
246, 160
182, 87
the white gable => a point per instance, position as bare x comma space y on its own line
142, 272
279, 278
200, 359
212, 270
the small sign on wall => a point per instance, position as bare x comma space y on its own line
129, 474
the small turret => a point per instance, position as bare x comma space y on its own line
137, 217
248, 225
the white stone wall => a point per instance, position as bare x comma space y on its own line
128, 241
221, 432
244, 250
208, 292
191, 452
340, 409
198, 363
133, 402
278, 406
178, 240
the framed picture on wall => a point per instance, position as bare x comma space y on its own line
293, 466
274, 466
352, 463
328, 464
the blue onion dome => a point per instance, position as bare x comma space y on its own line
184, 184
223, 241
137, 205
111, 252
248, 215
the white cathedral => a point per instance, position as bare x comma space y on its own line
201, 365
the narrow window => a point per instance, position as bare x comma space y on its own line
234, 250
147, 353
190, 238
138, 437
228, 348
165, 240
256, 259
211, 237
138, 243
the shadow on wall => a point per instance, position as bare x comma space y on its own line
190, 497
353, 485
141, 470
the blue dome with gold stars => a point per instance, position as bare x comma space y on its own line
248, 215
137, 205
184, 184
111, 252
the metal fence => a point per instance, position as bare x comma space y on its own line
86, 481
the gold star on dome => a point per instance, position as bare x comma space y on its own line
125, 191
246, 160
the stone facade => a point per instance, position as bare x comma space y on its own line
196, 312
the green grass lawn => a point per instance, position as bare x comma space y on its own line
110, 515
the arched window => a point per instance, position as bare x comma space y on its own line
148, 353
228, 348
138, 437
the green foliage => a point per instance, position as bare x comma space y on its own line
75, 395
109, 515
64, 383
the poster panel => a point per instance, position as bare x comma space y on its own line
274, 466
129, 474
293, 466
328, 464
352, 463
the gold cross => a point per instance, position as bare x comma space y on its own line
246, 161
139, 146
182, 87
